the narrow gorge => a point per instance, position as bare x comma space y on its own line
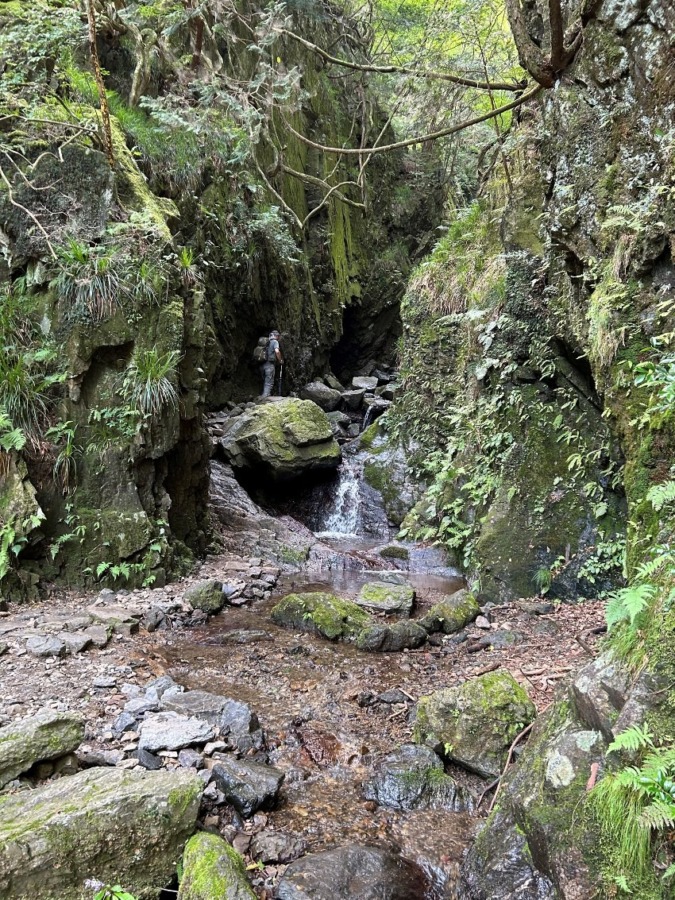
403, 628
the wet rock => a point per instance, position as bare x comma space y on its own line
213, 870
333, 382
364, 383
171, 731
206, 596
116, 823
385, 597
353, 399
391, 638
599, 693
451, 614
339, 419
282, 440
369, 873
45, 736
236, 720
326, 397
320, 613
148, 760
154, 619
475, 724
248, 786
499, 865
245, 636
277, 847
393, 696
413, 777
46, 645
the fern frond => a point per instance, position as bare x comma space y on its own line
661, 494
659, 814
628, 603
635, 738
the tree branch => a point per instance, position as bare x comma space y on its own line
420, 139
404, 70
10, 195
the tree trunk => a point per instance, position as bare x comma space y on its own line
103, 97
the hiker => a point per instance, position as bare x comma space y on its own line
268, 366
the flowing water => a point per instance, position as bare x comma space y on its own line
343, 517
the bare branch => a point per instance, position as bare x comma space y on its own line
404, 70
419, 139
14, 202
319, 182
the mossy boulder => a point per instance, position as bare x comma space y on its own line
44, 736
391, 638
451, 614
113, 825
382, 596
413, 777
323, 614
207, 596
213, 870
282, 440
474, 724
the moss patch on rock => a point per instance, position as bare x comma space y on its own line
213, 870
320, 613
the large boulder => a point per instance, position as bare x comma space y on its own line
351, 872
171, 731
413, 777
213, 870
452, 613
381, 596
112, 825
323, 614
282, 440
474, 724
326, 397
44, 736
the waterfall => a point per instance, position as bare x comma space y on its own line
344, 517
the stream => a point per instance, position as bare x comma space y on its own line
328, 709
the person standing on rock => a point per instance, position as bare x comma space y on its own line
269, 367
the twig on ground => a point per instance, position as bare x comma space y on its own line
517, 738
493, 784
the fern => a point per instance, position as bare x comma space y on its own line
627, 604
658, 815
635, 738
659, 495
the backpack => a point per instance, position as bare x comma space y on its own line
260, 351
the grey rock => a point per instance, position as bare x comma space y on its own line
98, 635
326, 397
3, 648
391, 638
393, 696
333, 382
154, 619
599, 693
501, 639
46, 645
353, 399
452, 614
116, 821
75, 643
364, 383
148, 760
138, 706
155, 689
124, 722
236, 720
277, 847
206, 596
171, 731
104, 681
190, 759
45, 736
413, 777
248, 786
354, 871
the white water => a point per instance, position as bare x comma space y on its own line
345, 515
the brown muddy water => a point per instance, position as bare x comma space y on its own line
317, 702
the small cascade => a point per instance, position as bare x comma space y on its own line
343, 516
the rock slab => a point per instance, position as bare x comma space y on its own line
171, 731
248, 786
413, 777
44, 736
381, 596
113, 825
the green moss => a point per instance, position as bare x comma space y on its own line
322, 614
213, 870
393, 551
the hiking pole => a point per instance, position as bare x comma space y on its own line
281, 377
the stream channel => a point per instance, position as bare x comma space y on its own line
329, 711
